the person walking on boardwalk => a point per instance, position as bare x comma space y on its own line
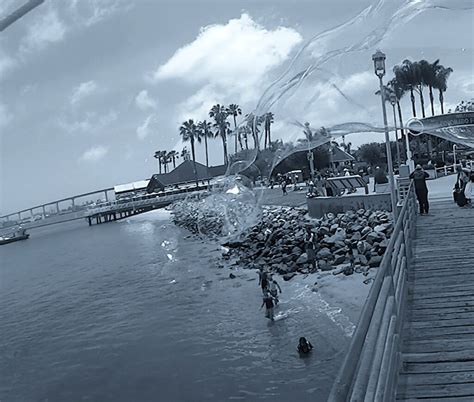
469, 190
419, 177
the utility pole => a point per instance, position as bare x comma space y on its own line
18, 13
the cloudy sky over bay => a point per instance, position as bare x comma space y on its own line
89, 89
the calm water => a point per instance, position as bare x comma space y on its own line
138, 311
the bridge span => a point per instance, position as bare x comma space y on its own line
107, 209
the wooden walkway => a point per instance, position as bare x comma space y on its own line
438, 333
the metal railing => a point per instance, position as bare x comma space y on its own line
370, 369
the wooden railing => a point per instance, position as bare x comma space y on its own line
370, 369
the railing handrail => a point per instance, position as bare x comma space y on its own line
397, 250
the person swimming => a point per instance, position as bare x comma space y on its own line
304, 347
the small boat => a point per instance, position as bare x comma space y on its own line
17, 236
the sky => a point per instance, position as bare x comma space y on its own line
90, 89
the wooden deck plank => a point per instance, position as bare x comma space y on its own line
446, 301
454, 377
417, 288
434, 315
441, 323
435, 357
458, 399
437, 345
440, 367
446, 293
453, 303
438, 333
437, 391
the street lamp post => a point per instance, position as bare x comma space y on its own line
18, 13
308, 134
454, 154
393, 102
379, 69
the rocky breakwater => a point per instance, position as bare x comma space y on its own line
349, 242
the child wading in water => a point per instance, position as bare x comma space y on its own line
268, 303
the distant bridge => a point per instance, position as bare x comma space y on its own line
104, 211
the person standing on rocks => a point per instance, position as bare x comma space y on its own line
419, 177
309, 243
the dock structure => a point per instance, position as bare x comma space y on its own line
437, 350
415, 337
107, 210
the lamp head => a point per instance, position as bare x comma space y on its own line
379, 63
393, 99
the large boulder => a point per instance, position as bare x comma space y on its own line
375, 261
288, 276
324, 253
302, 259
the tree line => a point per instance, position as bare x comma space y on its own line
196, 132
410, 77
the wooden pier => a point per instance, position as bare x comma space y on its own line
415, 337
438, 335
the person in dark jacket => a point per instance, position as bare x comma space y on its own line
419, 177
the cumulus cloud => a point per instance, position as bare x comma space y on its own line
90, 12
5, 116
92, 122
6, 63
238, 52
94, 154
230, 61
48, 28
82, 91
144, 101
145, 128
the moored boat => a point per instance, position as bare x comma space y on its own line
17, 236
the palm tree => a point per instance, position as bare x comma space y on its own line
423, 69
253, 122
205, 129
185, 154
442, 75
429, 78
219, 114
173, 155
268, 119
244, 132
406, 76
399, 91
189, 132
163, 160
157, 156
234, 110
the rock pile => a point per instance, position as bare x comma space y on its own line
198, 220
346, 242
355, 240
